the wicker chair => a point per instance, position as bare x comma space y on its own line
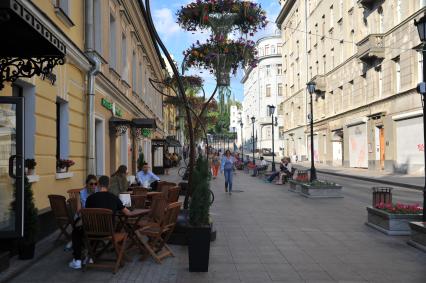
98, 228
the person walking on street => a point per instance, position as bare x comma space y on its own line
227, 166
215, 164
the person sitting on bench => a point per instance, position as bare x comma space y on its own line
276, 174
263, 164
286, 172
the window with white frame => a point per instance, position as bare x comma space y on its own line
64, 5
397, 75
279, 69
272, 49
140, 80
62, 129
422, 3
331, 16
268, 90
420, 66
112, 42
268, 70
98, 25
279, 48
266, 50
124, 65
134, 73
398, 11
280, 89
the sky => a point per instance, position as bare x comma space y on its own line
177, 40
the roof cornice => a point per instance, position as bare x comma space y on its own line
284, 12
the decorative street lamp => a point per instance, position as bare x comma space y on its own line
311, 89
271, 109
421, 28
253, 119
242, 143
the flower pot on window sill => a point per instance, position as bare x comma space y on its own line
61, 170
29, 172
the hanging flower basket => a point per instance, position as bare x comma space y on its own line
244, 16
221, 57
188, 81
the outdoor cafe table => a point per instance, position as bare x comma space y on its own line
129, 223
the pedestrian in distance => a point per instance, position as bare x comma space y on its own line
227, 167
215, 164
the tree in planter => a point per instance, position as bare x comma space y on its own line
200, 231
31, 225
141, 160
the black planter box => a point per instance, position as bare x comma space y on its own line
199, 249
181, 232
26, 250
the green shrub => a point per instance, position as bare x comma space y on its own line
141, 160
200, 201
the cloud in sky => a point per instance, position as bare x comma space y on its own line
165, 23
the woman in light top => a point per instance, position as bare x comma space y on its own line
227, 167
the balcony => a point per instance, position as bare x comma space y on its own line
368, 4
371, 48
321, 85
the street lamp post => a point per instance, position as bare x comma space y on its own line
311, 89
242, 143
253, 119
271, 112
421, 28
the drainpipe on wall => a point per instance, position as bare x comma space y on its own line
96, 63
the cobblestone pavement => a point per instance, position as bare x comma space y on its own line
264, 234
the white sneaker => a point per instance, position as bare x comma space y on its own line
88, 260
75, 264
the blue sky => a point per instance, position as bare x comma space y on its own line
177, 40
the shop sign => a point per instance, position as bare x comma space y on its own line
111, 106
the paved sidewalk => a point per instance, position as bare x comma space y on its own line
267, 234
409, 181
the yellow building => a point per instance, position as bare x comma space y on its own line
100, 111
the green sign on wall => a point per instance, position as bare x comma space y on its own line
110, 106
146, 133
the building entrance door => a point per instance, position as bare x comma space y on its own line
11, 166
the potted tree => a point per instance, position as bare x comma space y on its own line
199, 219
26, 245
30, 165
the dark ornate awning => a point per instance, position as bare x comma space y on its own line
172, 141
29, 47
119, 126
144, 123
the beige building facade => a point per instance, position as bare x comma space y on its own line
364, 58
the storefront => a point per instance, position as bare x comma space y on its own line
358, 144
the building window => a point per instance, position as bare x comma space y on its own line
279, 48
134, 74
340, 9
266, 50
268, 90
62, 135
124, 67
273, 49
112, 42
279, 69
381, 19
331, 16
398, 11
380, 75
98, 25
397, 75
268, 70
280, 89
140, 80
422, 3
64, 5
420, 67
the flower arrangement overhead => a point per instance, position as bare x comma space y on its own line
221, 55
188, 81
245, 16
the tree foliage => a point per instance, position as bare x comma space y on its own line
201, 198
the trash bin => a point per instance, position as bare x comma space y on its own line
382, 195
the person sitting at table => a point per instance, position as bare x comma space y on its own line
146, 178
101, 199
262, 165
277, 173
90, 188
119, 182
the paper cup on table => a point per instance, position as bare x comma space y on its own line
131, 179
126, 200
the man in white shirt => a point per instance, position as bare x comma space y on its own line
146, 178
262, 165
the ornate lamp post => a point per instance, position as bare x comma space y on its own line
242, 143
421, 28
253, 119
311, 89
271, 109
